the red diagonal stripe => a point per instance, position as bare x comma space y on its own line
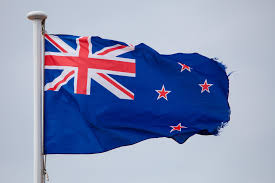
55, 43
116, 85
62, 81
112, 49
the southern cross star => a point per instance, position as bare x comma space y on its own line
183, 67
205, 86
163, 93
177, 128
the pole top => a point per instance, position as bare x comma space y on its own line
36, 15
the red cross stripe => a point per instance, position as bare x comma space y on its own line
83, 66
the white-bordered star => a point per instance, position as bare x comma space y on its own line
184, 67
177, 128
163, 93
205, 86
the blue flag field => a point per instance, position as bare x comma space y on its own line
102, 94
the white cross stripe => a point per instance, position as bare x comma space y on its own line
113, 58
113, 72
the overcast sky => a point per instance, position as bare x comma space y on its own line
241, 33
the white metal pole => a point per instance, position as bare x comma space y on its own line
37, 17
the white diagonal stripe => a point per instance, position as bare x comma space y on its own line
59, 78
106, 48
110, 87
61, 43
120, 51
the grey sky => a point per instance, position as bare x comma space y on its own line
239, 32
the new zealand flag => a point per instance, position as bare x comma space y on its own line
101, 94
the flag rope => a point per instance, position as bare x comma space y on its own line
45, 173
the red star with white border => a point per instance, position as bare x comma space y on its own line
177, 128
163, 93
184, 67
205, 86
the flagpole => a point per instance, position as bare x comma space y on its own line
37, 18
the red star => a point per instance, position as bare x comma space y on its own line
205, 86
177, 128
162, 93
183, 67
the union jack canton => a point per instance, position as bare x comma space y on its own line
83, 65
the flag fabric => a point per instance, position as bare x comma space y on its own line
102, 94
